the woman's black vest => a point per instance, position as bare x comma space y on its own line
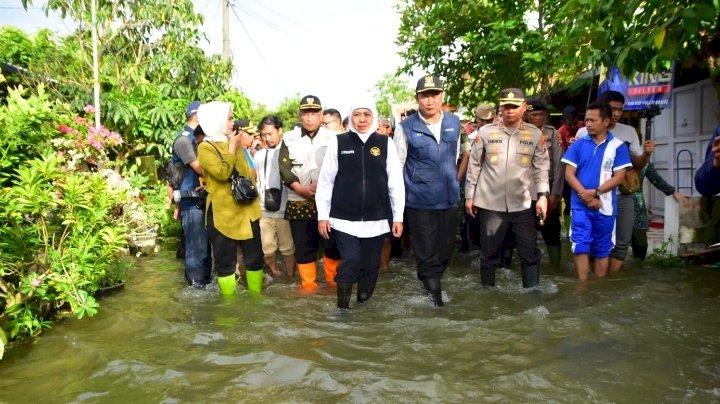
360, 192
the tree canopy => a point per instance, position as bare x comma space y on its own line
389, 90
482, 46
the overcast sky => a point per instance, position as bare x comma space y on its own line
334, 49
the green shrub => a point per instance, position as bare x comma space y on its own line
60, 233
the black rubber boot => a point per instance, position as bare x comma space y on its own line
507, 256
487, 276
554, 254
530, 276
364, 292
432, 285
344, 292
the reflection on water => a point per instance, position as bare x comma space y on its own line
644, 335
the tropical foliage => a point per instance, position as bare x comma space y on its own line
480, 47
389, 90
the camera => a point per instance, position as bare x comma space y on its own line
202, 198
178, 195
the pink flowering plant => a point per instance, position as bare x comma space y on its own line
82, 145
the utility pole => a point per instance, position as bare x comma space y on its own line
226, 29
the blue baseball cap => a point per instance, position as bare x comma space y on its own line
192, 108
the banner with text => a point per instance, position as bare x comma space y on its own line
642, 90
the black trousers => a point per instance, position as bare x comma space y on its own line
224, 249
433, 238
494, 227
639, 244
360, 258
551, 230
307, 241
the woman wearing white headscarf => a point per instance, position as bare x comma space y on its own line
359, 193
228, 222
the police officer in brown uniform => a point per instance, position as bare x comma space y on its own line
507, 163
553, 144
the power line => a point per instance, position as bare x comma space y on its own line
257, 49
282, 16
258, 17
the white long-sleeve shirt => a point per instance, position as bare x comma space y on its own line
326, 184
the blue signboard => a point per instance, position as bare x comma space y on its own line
643, 90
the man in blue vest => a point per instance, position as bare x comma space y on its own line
192, 217
707, 177
428, 145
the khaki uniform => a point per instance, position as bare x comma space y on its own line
301, 157
505, 165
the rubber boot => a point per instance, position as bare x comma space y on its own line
432, 285
487, 276
289, 261
344, 292
226, 284
364, 292
530, 276
554, 252
254, 279
308, 275
330, 267
507, 256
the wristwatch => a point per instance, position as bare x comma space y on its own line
545, 194
597, 192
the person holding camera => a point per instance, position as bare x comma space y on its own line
192, 218
229, 223
274, 228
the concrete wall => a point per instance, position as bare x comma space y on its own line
687, 125
693, 223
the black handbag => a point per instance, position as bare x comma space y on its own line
243, 189
273, 199
273, 196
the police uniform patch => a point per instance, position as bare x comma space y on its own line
375, 151
493, 159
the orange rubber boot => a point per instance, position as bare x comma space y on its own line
330, 267
308, 275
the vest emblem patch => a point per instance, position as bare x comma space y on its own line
375, 151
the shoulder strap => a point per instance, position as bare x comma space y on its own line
265, 171
235, 172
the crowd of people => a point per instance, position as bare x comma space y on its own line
346, 191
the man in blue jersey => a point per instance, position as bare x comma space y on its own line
595, 167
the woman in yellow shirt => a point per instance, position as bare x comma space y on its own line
228, 222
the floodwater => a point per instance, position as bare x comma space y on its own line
645, 335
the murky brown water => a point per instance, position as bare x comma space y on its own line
646, 335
